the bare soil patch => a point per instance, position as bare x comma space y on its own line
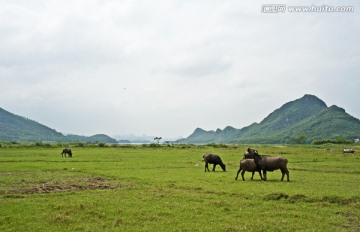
87, 184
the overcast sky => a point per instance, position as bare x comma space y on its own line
164, 68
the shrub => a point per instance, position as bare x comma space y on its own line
101, 144
155, 145
38, 144
334, 141
217, 145
80, 145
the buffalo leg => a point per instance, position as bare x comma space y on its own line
206, 167
285, 171
214, 168
242, 174
252, 176
287, 174
237, 174
260, 175
264, 172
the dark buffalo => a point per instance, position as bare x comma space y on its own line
66, 151
248, 165
213, 159
268, 163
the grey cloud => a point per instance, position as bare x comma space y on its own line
178, 61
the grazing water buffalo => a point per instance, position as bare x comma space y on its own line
213, 159
248, 165
66, 151
268, 163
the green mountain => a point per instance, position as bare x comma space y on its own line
98, 138
18, 128
305, 119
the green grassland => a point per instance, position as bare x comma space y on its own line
137, 188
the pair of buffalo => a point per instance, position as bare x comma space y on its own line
252, 162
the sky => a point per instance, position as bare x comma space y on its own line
165, 68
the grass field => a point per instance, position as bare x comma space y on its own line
166, 189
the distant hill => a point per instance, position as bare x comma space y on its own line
18, 128
307, 118
98, 138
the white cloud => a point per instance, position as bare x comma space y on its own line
167, 67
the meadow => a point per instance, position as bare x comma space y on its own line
143, 188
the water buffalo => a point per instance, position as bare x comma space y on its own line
66, 151
268, 163
248, 165
213, 159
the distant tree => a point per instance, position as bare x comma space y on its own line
101, 144
333, 141
300, 139
157, 139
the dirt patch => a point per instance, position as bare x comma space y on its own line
302, 198
88, 184
340, 200
276, 196
352, 220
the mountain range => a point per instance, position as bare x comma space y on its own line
21, 129
302, 120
